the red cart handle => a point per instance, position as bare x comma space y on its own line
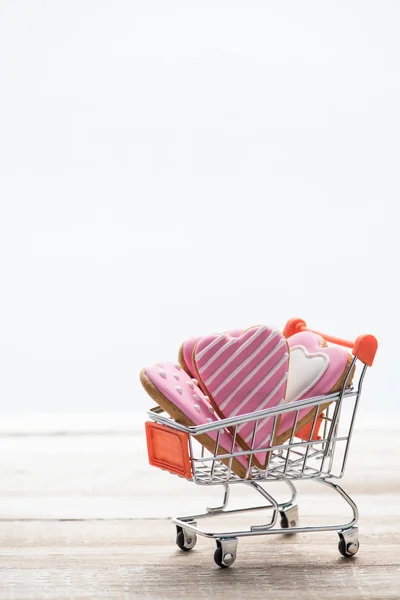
364, 347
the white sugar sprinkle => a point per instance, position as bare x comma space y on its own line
190, 384
195, 381
176, 375
178, 367
163, 374
178, 389
197, 407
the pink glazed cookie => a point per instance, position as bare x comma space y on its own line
185, 355
242, 375
179, 395
316, 369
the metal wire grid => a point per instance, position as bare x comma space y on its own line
294, 459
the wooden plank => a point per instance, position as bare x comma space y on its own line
135, 559
129, 552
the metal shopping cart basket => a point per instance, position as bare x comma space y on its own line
310, 454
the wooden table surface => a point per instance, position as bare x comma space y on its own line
83, 516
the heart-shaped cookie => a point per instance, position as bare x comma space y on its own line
242, 375
315, 369
179, 395
185, 355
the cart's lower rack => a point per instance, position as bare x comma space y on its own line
287, 513
312, 458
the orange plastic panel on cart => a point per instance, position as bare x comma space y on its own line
305, 432
168, 449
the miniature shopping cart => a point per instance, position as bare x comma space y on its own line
317, 452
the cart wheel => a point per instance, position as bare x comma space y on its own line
225, 553
219, 559
348, 542
284, 521
185, 540
289, 517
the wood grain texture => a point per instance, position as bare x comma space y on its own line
123, 546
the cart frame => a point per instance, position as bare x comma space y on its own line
318, 458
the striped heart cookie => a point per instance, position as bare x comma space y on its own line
316, 369
243, 375
185, 354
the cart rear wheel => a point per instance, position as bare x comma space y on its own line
348, 542
289, 516
348, 550
284, 522
185, 540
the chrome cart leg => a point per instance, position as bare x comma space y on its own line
289, 511
274, 504
185, 539
218, 509
289, 516
348, 542
293, 490
345, 497
225, 554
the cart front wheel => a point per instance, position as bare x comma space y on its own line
225, 553
218, 558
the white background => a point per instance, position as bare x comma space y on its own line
177, 168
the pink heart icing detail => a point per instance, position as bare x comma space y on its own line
243, 375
